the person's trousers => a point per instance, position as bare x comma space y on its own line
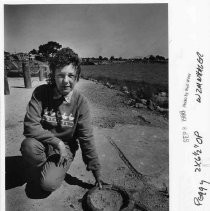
44, 158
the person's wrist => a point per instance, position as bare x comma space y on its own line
96, 174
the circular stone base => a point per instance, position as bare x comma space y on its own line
109, 198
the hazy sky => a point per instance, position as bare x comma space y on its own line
127, 30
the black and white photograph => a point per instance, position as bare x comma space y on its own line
86, 95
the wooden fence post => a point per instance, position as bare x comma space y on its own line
26, 74
41, 74
6, 84
46, 72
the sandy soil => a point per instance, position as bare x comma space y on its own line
140, 135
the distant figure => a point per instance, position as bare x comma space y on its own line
57, 121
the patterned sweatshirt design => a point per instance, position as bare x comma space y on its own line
50, 120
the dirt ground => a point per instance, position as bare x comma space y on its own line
132, 145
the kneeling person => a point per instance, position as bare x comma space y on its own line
56, 122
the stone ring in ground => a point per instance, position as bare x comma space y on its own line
109, 198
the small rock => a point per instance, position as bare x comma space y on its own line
131, 102
161, 100
139, 105
163, 94
162, 109
151, 105
108, 84
125, 89
143, 101
134, 94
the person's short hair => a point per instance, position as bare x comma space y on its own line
62, 58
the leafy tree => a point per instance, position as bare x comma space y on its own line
48, 50
6, 55
162, 58
100, 58
151, 58
145, 60
157, 57
40, 58
34, 51
111, 58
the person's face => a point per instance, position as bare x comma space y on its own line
65, 79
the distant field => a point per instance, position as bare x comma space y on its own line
145, 79
149, 73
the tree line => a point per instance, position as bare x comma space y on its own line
48, 50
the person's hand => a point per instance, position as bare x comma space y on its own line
98, 183
63, 154
98, 180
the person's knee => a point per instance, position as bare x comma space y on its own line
51, 183
51, 176
29, 145
33, 151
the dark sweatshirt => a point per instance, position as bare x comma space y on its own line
50, 120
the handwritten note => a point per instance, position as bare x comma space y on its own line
199, 74
202, 192
197, 151
189, 105
195, 138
